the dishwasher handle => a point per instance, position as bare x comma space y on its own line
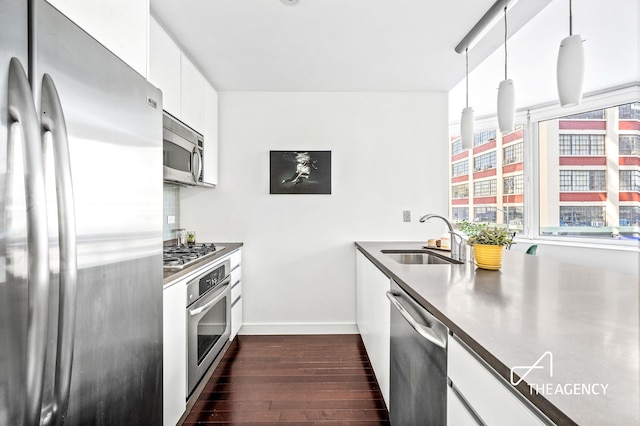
427, 332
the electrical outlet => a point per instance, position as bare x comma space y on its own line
171, 220
406, 215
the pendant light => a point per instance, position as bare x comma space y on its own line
570, 67
466, 123
506, 93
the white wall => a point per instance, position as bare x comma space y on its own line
389, 154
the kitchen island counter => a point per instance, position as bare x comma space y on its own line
588, 319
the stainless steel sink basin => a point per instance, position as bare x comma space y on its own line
419, 257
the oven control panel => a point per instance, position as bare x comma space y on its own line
197, 287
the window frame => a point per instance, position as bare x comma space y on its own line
532, 118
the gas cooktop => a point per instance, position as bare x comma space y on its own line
179, 257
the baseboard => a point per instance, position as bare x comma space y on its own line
266, 329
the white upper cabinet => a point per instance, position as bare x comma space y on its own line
164, 67
210, 160
120, 25
187, 95
192, 96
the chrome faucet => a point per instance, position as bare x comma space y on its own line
458, 252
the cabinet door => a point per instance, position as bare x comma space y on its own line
490, 396
174, 353
373, 318
120, 25
210, 161
457, 412
164, 67
192, 96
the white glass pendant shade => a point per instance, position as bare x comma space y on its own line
570, 70
506, 105
466, 128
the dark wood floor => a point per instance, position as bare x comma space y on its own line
301, 380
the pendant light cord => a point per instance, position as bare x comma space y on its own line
467, 73
570, 20
505, 42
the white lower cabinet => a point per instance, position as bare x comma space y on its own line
174, 353
373, 318
236, 293
457, 412
236, 301
483, 392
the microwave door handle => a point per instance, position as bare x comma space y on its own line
22, 111
53, 121
196, 162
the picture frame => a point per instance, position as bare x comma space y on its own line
300, 172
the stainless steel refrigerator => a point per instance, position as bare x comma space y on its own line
81, 227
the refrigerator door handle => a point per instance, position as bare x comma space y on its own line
22, 111
52, 119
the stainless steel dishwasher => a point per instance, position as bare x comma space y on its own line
418, 393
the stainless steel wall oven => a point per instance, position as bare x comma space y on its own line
208, 320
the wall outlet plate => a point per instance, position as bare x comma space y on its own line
406, 215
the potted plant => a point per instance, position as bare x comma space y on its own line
488, 242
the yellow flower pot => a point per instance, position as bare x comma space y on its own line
488, 257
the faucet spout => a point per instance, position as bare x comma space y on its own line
457, 251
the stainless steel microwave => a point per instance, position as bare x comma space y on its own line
182, 152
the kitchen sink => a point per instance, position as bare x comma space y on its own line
419, 257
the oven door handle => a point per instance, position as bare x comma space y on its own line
221, 294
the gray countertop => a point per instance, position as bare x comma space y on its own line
169, 277
587, 318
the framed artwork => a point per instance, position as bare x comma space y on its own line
300, 172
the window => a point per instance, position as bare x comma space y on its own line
629, 111
629, 215
460, 191
581, 145
456, 147
577, 199
582, 180
460, 213
589, 115
629, 144
506, 206
460, 169
484, 214
513, 184
484, 188
484, 161
480, 138
515, 217
590, 216
630, 180
512, 153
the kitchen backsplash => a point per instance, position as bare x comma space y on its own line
170, 207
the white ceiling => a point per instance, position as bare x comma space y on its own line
398, 45
330, 45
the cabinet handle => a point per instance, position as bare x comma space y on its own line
426, 332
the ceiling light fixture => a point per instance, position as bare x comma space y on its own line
466, 123
482, 27
506, 93
289, 2
570, 67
